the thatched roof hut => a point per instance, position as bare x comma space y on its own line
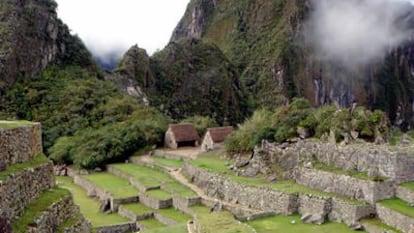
215, 137
179, 135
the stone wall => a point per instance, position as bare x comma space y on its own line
349, 213
24, 187
164, 220
381, 160
133, 217
20, 144
311, 204
155, 203
360, 189
81, 226
395, 219
405, 194
184, 203
262, 198
54, 216
119, 228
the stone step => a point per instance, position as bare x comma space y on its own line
375, 225
396, 213
406, 192
50, 210
21, 184
354, 186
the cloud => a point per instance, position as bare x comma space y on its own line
354, 33
110, 27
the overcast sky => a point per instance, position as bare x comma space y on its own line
108, 26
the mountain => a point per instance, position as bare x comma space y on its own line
187, 78
264, 40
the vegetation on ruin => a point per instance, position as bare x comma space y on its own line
89, 207
159, 194
299, 118
116, 186
38, 160
179, 228
175, 215
14, 124
168, 162
399, 206
151, 223
34, 210
377, 223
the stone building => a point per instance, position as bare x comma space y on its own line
180, 135
214, 137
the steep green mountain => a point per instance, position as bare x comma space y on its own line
48, 75
188, 77
264, 40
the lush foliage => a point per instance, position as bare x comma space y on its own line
90, 120
201, 123
299, 119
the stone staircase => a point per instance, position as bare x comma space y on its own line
29, 201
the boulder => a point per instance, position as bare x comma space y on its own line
313, 218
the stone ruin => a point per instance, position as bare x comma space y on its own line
21, 144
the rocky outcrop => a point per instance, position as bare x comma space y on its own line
32, 37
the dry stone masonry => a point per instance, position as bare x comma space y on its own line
21, 145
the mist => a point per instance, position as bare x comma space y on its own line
354, 33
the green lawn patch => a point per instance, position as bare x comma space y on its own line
175, 215
118, 187
409, 185
144, 175
168, 162
14, 124
18, 167
376, 222
137, 208
90, 207
179, 228
159, 194
399, 206
151, 223
355, 174
35, 209
179, 190
221, 222
216, 162
283, 224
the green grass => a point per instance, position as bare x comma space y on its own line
179, 228
14, 124
18, 167
282, 224
399, 206
222, 222
68, 223
168, 162
88, 206
151, 223
159, 194
215, 162
137, 209
35, 209
409, 185
179, 190
144, 175
376, 222
118, 187
355, 174
175, 215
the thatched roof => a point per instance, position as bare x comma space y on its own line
219, 134
184, 132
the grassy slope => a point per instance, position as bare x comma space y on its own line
18, 167
14, 124
282, 224
399, 206
115, 185
88, 206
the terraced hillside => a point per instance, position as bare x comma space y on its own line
29, 199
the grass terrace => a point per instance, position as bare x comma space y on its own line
409, 185
146, 176
377, 223
151, 223
159, 194
399, 206
118, 187
18, 167
179, 228
283, 224
35, 209
90, 207
179, 190
168, 162
355, 174
175, 215
216, 162
137, 208
14, 124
